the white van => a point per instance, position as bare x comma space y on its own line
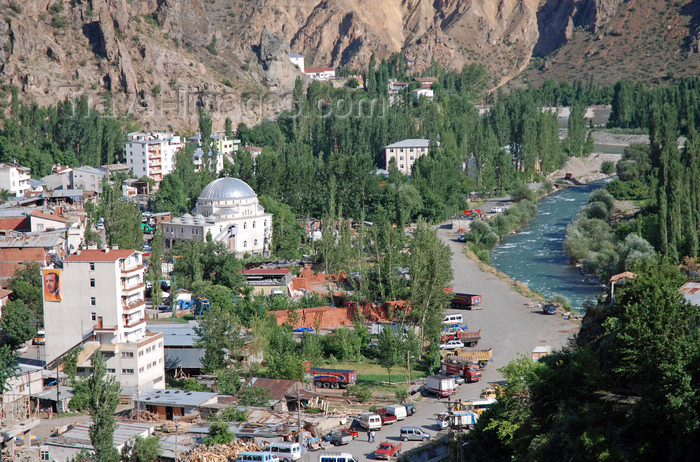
370, 421
398, 410
453, 320
336, 457
285, 450
257, 456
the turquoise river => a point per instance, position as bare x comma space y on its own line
536, 256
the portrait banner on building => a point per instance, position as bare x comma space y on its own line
52, 284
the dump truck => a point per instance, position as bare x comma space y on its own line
440, 385
482, 357
468, 338
465, 301
333, 378
464, 368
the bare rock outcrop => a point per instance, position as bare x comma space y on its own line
185, 20
273, 54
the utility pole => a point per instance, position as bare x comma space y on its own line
299, 437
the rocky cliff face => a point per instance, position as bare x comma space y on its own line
151, 52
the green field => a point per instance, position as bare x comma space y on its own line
369, 373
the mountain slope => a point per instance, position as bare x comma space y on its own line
162, 59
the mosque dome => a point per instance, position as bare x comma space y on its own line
227, 189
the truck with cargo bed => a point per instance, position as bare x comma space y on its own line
440, 385
387, 450
465, 301
461, 420
469, 338
464, 368
482, 357
387, 419
333, 378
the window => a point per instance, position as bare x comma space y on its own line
93, 302
160, 344
141, 369
159, 379
265, 223
111, 371
92, 267
40, 227
93, 316
127, 354
245, 244
255, 243
160, 361
141, 353
244, 225
92, 282
149, 366
253, 224
400, 157
21, 388
154, 363
127, 371
45, 456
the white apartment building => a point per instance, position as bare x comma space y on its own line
320, 73
88, 178
152, 154
201, 161
228, 209
100, 302
405, 153
15, 178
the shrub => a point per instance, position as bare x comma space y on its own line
233, 414
481, 253
401, 394
313, 410
521, 192
607, 167
603, 196
254, 396
563, 301
218, 434
362, 394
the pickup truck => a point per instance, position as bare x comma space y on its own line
339, 437
451, 345
387, 418
387, 450
467, 337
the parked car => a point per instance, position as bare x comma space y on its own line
40, 338
452, 345
459, 380
461, 238
496, 209
410, 409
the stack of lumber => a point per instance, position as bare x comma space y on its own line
219, 452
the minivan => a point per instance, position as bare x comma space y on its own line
285, 450
257, 456
453, 319
370, 421
336, 457
414, 433
398, 410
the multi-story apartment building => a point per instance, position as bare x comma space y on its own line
15, 178
97, 299
152, 154
404, 153
88, 178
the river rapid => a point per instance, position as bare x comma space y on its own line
536, 255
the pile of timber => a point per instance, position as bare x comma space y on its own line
219, 452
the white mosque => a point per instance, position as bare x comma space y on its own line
228, 209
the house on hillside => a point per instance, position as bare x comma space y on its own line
15, 179
320, 73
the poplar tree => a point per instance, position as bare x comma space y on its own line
101, 403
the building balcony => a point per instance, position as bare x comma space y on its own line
133, 306
126, 270
132, 325
132, 289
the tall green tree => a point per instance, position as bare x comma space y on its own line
141, 450
122, 220
102, 400
9, 366
27, 285
18, 323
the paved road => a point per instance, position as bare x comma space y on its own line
507, 325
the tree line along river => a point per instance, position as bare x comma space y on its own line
536, 255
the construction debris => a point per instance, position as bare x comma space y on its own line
219, 452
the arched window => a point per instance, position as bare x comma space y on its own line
255, 243
245, 244
253, 224
244, 225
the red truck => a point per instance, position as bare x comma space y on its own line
467, 369
465, 301
387, 450
387, 418
468, 338
333, 378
